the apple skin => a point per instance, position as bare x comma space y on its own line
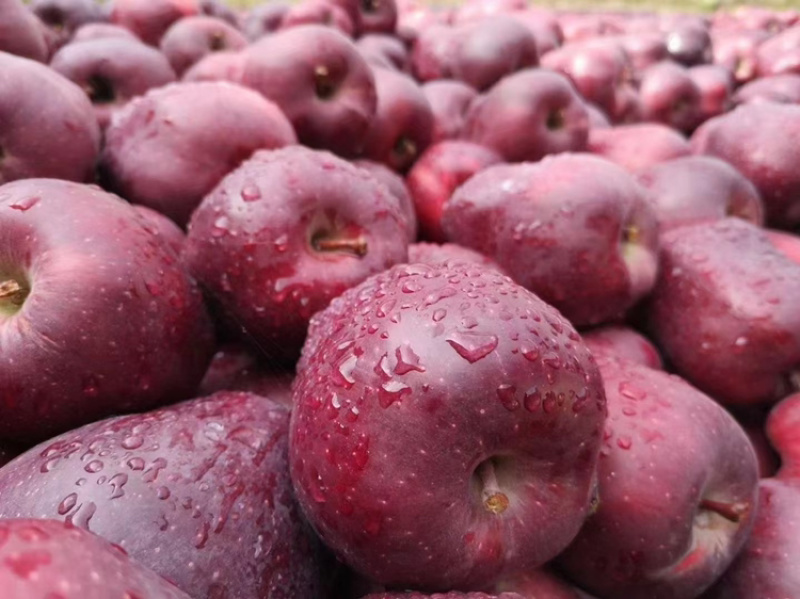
397, 187
172, 146
775, 88
590, 251
716, 85
67, 139
667, 451
112, 71
737, 50
541, 102
434, 253
688, 39
787, 243
321, 12
191, 38
721, 314
638, 146
624, 343
670, 96
769, 157
779, 54
93, 31
438, 173
383, 49
85, 257
375, 16
450, 595
46, 558
199, 492
541, 584
64, 17
21, 33
403, 122
256, 241
150, 19
264, 19
700, 188
422, 358
318, 78
449, 101
162, 226
217, 66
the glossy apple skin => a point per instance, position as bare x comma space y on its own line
768, 158
422, 358
162, 226
46, 558
318, 78
449, 101
438, 173
720, 311
112, 71
20, 32
779, 54
716, 85
775, 88
670, 96
557, 236
638, 146
88, 258
434, 253
33, 93
700, 188
198, 491
217, 66
666, 449
396, 185
371, 17
383, 49
150, 19
624, 343
786, 243
251, 241
172, 146
541, 102
401, 128
191, 38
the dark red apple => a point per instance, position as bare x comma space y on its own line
112, 71
402, 126
149, 19
437, 174
384, 50
199, 492
677, 490
264, 19
780, 53
434, 253
716, 85
170, 147
643, 48
47, 125
722, 311
192, 38
45, 558
286, 232
218, 66
738, 51
371, 16
397, 187
670, 96
542, 103
590, 250
449, 101
768, 158
93, 31
776, 88
454, 443
319, 12
66, 16
638, 146
21, 33
433, 52
688, 39
618, 341
318, 78
96, 314
700, 188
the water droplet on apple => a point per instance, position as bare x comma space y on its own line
346, 369
628, 390
472, 346
410, 286
439, 314
67, 504
136, 464
552, 360
48, 465
530, 353
132, 442
220, 226
151, 474
439, 295
550, 402
26, 204
163, 493
507, 396
407, 360
117, 482
90, 388
81, 517
532, 399
624, 442
94, 466
201, 538
251, 193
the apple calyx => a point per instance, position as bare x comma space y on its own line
323, 242
12, 295
100, 90
405, 149
370, 6
733, 512
324, 85
555, 120
494, 500
217, 42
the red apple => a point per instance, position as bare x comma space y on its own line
191, 38
218, 66
319, 12
21, 33
716, 85
397, 187
638, 146
454, 442
264, 19
449, 101
150, 19
93, 31
434, 253
625, 343
776, 88
670, 96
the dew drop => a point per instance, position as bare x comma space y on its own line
132, 442
67, 504
26, 204
136, 464
93, 466
251, 193
532, 399
472, 346
507, 396
626, 389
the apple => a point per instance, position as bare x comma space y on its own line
670, 96
150, 19
96, 314
541, 102
438, 173
721, 311
434, 253
619, 341
199, 492
66, 16
543, 24
716, 85
170, 147
737, 50
371, 16
397, 187
161, 226
455, 441
219, 9
589, 250
700, 188
112, 71
45, 558
597, 118
320, 81
779, 54
384, 50
264, 19
47, 126
638, 146
768, 158
433, 52
321, 12
401, 128
677, 490
786, 243
688, 39
541, 583
643, 49
21, 33
217, 66
285, 233
775, 88
92, 31
449, 101
191, 38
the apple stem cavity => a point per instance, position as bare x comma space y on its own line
555, 120
100, 90
732, 512
323, 83
494, 500
12, 295
356, 246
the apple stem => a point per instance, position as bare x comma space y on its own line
357, 246
494, 500
11, 290
730, 511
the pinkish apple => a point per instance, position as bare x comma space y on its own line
638, 146
21, 33
191, 38
449, 101
149, 19
434, 253
623, 342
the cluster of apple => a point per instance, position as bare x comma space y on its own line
346, 299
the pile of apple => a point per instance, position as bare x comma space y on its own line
347, 299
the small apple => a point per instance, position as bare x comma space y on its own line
638, 146
191, 38
21, 33
449, 101
150, 19
625, 343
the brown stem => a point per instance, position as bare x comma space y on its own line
11, 290
730, 511
494, 500
357, 246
